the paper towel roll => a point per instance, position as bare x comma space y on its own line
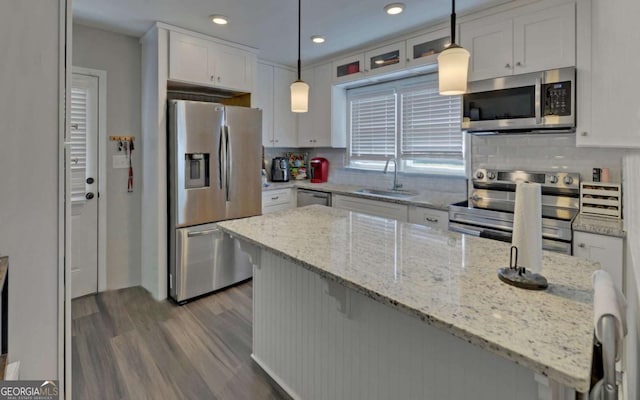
527, 226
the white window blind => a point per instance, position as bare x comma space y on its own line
79, 126
430, 124
409, 120
373, 124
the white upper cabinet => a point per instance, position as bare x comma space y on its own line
377, 61
284, 121
533, 40
424, 49
545, 39
314, 126
490, 42
273, 96
232, 68
348, 68
188, 59
263, 98
203, 62
385, 59
608, 60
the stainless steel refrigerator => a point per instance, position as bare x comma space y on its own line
214, 175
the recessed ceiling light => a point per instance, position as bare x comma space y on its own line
219, 19
317, 39
394, 8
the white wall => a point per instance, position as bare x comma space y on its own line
120, 56
632, 272
29, 140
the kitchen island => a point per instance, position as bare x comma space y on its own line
350, 306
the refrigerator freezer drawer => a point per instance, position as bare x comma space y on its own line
206, 260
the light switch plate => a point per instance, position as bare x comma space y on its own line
120, 162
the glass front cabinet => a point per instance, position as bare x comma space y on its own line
349, 68
385, 59
424, 49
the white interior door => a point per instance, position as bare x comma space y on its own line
84, 184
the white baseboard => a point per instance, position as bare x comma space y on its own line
12, 371
276, 378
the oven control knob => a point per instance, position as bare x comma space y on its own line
553, 179
479, 175
568, 180
491, 175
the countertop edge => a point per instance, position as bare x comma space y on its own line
599, 226
581, 384
350, 191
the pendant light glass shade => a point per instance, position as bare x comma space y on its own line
453, 64
299, 97
453, 67
299, 88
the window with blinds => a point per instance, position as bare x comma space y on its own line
373, 125
78, 150
409, 120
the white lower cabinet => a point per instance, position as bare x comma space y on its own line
278, 200
429, 217
606, 250
372, 207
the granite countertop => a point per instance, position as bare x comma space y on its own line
435, 200
599, 225
447, 280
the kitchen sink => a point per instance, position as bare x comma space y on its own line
399, 194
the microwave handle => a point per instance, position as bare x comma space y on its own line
538, 101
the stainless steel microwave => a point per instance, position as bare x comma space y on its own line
536, 102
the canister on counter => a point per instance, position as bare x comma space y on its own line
604, 175
596, 174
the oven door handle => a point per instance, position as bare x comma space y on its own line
538, 101
480, 232
503, 237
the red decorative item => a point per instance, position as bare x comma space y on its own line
319, 170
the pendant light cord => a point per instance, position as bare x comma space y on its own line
299, 34
453, 22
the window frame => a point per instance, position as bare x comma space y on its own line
411, 164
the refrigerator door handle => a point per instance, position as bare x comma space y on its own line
222, 166
203, 233
229, 160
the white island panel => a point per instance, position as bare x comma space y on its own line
370, 351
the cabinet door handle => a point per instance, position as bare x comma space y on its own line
508, 66
212, 77
582, 245
584, 133
275, 198
519, 64
218, 79
432, 220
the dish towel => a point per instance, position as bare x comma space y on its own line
608, 300
527, 226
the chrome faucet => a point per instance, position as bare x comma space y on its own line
396, 185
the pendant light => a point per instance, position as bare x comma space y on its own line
299, 88
453, 63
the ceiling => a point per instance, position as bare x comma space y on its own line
271, 25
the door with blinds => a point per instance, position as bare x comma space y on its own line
84, 184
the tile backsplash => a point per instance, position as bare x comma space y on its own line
533, 152
543, 152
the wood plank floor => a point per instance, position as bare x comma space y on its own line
128, 346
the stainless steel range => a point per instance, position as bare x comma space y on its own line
489, 211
